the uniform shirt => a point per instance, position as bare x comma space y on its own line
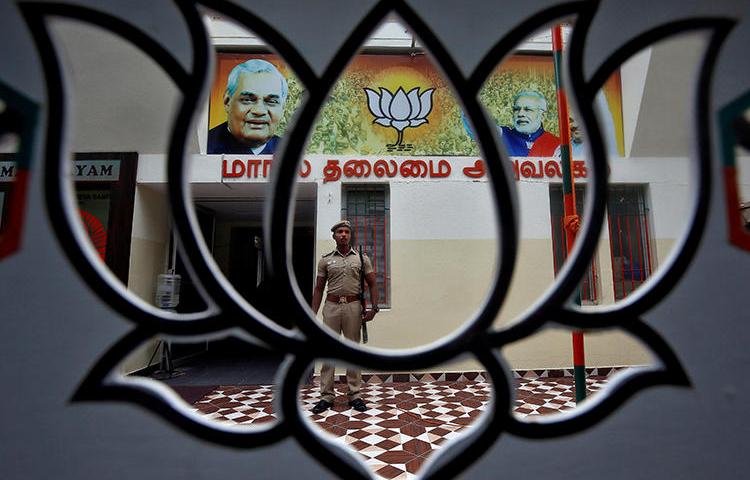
342, 272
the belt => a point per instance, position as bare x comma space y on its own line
342, 298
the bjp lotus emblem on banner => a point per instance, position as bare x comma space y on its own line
400, 111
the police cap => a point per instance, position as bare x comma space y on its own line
342, 223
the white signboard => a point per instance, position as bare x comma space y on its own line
96, 170
83, 171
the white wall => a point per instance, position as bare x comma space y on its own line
121, 99
448, 224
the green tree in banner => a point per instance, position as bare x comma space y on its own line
293, 100
339, 128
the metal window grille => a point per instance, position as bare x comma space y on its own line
629, 238
367, 207
589, 287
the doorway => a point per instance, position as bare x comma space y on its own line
231, 224
248, 273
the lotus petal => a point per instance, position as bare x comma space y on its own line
373, 103
386, 97
400, 108
400, 124
425, 100
417, 122
413, 97
386, 122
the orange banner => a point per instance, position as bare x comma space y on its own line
401, 104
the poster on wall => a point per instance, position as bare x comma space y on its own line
94, 207
396, 105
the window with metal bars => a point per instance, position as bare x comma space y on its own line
367, 207
629, 238
590, 286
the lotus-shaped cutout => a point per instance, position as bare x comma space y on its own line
309, 342
400, 110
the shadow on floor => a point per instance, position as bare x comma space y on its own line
222, 363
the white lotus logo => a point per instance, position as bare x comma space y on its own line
400, 110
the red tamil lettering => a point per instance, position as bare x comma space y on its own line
332, 171
540, 173
529, 169
443, 169
579, 169
238, 169
552, 169
414, 168
252, 168
304, 171
381, 168
357, 168
477, 171
267, 164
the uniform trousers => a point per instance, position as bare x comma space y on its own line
346, 318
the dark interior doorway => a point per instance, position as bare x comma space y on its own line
231, 228
248, 272
246, 261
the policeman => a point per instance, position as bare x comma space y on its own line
342, 311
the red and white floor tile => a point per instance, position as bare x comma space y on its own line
405, 421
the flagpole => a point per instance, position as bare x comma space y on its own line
569, 201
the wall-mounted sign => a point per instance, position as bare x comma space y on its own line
96, 170
255, 168
249, 168
83, 171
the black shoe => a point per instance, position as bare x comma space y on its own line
321, 407
358, 405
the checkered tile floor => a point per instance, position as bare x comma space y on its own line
405, 421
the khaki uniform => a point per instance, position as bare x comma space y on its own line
342, 273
